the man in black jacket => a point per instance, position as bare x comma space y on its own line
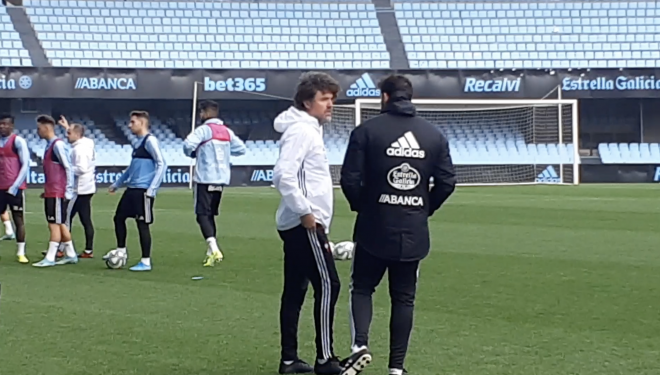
385, 178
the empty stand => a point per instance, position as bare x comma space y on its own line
480, 145
629, 153
530, 34
12, 52
343, 35
223, 35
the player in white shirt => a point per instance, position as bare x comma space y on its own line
83, 158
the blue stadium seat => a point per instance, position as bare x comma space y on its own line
12, 52
242, 35
629, 153
619, 36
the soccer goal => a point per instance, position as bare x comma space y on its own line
492, 142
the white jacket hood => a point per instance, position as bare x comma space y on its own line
293, 116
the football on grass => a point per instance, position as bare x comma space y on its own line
116, 260
343, 250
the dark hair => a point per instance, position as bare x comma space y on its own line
78, 128
209, 105
6, 116
396, 85
140, 114
45, 119
312, 82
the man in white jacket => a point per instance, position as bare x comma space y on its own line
83, 158
302, 177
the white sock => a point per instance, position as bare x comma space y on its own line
9, 229
121, 250
52, 250
213, 245
146, 261
396, 371
321, 361
21, 249
288, 363
355, 349
69, 250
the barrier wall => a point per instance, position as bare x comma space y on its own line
620, 173
56, 83
175, 176
179, 176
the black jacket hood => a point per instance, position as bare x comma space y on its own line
399, 106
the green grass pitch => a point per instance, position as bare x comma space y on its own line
543, 280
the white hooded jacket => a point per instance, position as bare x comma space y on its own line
302, 172
83, 158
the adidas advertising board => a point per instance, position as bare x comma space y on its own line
548, 176
406, 147
363, 87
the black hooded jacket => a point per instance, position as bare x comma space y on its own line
385, 178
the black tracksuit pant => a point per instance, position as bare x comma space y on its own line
366, 273
306, 259
82, 206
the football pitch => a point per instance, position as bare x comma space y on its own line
545, 280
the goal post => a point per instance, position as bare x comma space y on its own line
495, 142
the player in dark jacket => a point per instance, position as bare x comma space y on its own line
386, 178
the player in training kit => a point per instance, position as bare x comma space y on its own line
302, 177
58, 192
212, 144
14, 168
142, 178
83, 158
385, 178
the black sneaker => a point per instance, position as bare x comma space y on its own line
330, 367
357, 362
297, 367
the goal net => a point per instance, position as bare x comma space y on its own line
492, 142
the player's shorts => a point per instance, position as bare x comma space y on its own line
57, 210
14, 202
207, 199
135, 203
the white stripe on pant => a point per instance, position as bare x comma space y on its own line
350, 304
58, 211
69, 211
147, 209
325, 292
